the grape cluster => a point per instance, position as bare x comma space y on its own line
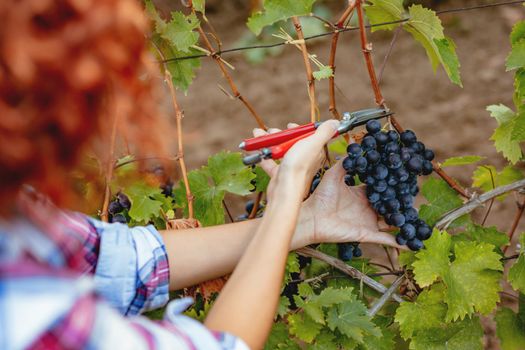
389, 164
117, 207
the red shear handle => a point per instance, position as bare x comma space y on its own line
265, 141
279, 151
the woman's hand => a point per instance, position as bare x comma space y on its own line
334, 212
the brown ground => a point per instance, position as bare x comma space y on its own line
449, 119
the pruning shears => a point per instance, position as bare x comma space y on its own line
276, 145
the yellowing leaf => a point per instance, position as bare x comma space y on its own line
502, 136
464, 160
433, 262
303, 327
487, 177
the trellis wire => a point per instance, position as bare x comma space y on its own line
267, 46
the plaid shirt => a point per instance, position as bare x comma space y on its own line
68, 281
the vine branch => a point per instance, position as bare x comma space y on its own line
333, 48
385, 297
476, 202
515, 222
308, 66
349, 270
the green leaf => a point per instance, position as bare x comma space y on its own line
502, 136
292, 265
465, 160
199, 5
475, 264
425, 26
279, 338
487, 177
385, 342
324, 72
510, 330
230, 174
433, 262
381, 11
284, 306
278, 10
442, 198
313, 304
449, 59
518, 32
518, 131
261, 179
350, 318
516, 58
462, 335
406, 258
516, 275
143, 206
179, 32
303, 327
488, 235
427, 312
338, 146
324, 341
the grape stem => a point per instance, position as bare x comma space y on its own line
374, 309
308, 66
348, 270
517, 218
333, 48
256, 205
477, 201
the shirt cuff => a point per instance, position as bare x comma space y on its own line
132, 271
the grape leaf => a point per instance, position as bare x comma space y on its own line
465, 334
518, 132
224, 173
516, 58
510, 330
199, 5
283, 307
303, 327
449, 59
381, 11
278, 10
313, 304
518, 32
324, 72
465, 160
350, 318
519, 91
324, 341
143, 204
488, 235
517, 271
385, 342
279, 338
484, 176
442, 198
261, 179
502, 136
338, 146
433, 262
427, 312
179, 31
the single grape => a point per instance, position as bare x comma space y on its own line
381, 172
403, 188
381, 209
427, 167
248, 207
381, 138
402, 174
411, 215
360, 164
415, 165
392, 205
373, 126
349, 180
124, 200
408, 231
368, 143
167, 189
380, 186
345, 251
414, 190
418, 147
314, 184
363, 177
370, 181
114, 208
424, 232
119, 218
389, 193
397, 219
374, 197
393, 135
392, 147
394, 161
349, 164
400, 240
428, 154
406, 200
405, 154
354, 150
357, 252
391, 180
408, 137
415, 244
373, 156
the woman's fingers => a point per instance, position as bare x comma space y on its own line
268, 165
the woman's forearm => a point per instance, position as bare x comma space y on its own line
201, 254
246, 306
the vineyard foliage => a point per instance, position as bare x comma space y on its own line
448, 286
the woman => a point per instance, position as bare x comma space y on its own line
69, 69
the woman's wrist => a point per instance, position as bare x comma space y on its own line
305, 229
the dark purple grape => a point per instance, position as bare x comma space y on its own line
428, 154
349, 164
406, 200
368, 143
362, 177
374, 197
380, 186
408, 137
403, 188
354, 150
393, 135
394, 161
414, 190
418, 147
411, 215
345, 251
349, 180
381, 209
400, 240
119, 218
373, 156
424, 232
427, 167
360, 164
408, 231
415, 244
248, 207
415, 165
392, 205
381, 172
381, 138
392, 147
167, 189
373, 126
314, 184
402, 174
114, 208
124, 200
389, 193
391, 180
397, 219
405, 154
370, 181
357, 252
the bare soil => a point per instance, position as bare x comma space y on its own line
449, 119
